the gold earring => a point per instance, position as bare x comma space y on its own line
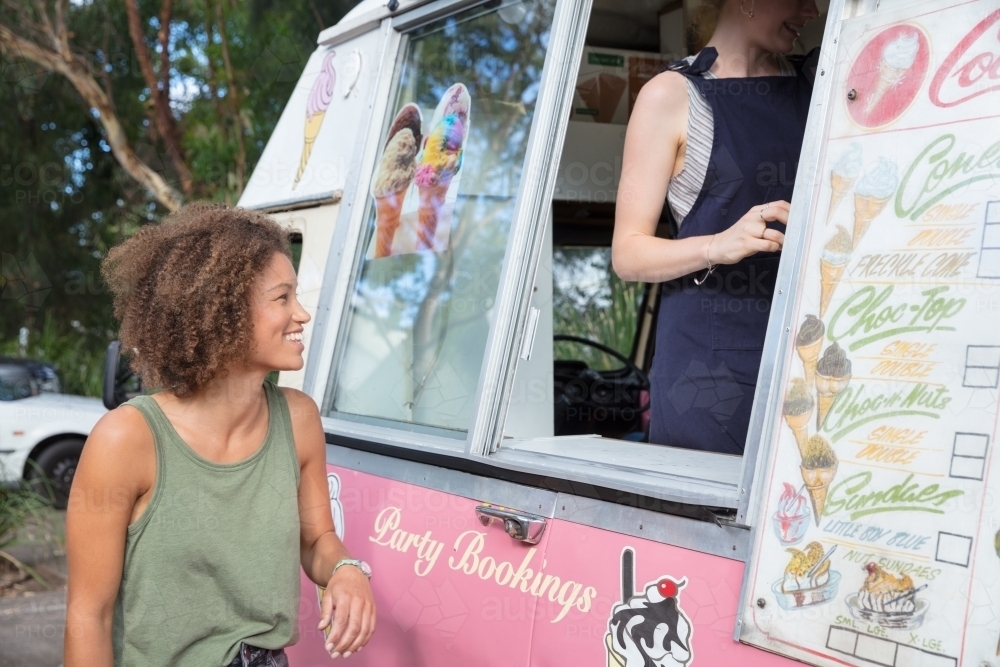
748, 14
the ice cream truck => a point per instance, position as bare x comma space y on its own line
451, 168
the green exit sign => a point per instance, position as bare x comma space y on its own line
605, 59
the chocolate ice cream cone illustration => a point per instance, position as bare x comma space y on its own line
440, 161
842, 177
833, 374
876, 188
819, 467
395, 172
808, 343
833, 261
319, 100
897, 59
797, 410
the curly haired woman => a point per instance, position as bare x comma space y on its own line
192, 509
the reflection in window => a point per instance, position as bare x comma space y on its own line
441, 207
590, 301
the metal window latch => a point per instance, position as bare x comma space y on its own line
521, 526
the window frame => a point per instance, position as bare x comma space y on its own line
517, 273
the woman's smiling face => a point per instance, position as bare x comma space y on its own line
278, 318
776, 24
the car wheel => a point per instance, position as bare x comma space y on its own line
53, 470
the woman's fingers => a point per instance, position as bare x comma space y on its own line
774, 235
353, 626
764, 245
367, 620
341, 617
325, 609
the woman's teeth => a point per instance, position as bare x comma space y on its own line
296, 337
794, 28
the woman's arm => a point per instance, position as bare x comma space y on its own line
348, 605
116, 469
656, 132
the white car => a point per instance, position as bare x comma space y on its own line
42, 432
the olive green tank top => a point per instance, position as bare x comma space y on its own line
214, 559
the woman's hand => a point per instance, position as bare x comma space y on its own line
348, 608
750, 235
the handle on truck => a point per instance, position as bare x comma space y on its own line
521, 526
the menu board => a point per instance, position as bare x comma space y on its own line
877, 541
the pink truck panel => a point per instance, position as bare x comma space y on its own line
451, 591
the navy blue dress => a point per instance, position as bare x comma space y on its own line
709, 338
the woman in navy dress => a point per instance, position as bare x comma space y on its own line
717, 139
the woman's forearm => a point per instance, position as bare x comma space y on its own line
326, 552
644, 258
87, 639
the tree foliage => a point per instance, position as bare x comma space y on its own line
70, 74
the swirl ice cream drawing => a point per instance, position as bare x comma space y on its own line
897, 58
873, 193
319, 100
842, 176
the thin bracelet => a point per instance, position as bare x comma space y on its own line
708, 258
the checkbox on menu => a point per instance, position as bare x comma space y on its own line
989, 255
968, 456
982, 366
953, 549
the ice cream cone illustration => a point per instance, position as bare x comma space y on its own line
319, 100
833, 261
876, 188
440, 160
797, 410
395, 172
808, 342
833, 373
842, 177
819, 467
897, 58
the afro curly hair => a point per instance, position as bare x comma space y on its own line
183, 292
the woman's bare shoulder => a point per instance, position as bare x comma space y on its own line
301, 406
665, 93
119, 447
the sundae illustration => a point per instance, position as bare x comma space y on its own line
808, 343
888, 600
791, 519
898, 57
648, 629
808, 578
833, 261
440, 160
319, 99
833, 373
842, 177
874, 191
798, 409
395, 172
819, 467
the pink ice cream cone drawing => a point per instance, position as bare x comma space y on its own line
440, 161
394, 175
319, 99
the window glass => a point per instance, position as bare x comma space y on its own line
441, 204
590, 301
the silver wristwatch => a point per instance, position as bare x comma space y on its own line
360, 564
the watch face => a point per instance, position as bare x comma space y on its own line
365, 568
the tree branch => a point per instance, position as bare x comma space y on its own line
13, 45
163, 117
234, 100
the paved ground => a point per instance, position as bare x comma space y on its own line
32, 617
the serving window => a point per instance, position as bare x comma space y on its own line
439, 206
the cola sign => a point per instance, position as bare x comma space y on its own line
972, 68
